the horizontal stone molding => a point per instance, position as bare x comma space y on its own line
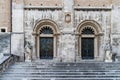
17, 32
67, 32
36, 34
92, 8
42, 7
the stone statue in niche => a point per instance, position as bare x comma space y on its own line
108, 54
28, 51
114, 57
115, 45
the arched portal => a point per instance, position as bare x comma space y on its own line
45, 32
46, 43
87, 43
89, 32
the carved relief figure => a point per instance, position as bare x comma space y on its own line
28, 51
108, 54
115, 45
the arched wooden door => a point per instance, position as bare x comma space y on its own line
89, 32
87, 44
46, 43
87, 48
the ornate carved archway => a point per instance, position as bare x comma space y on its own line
46, 30
88, 33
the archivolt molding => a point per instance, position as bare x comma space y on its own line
97, 31
89, 24
43, 23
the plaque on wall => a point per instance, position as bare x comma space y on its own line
67, 18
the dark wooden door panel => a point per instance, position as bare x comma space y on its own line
46, 47
87, 47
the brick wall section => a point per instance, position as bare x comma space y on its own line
92, 3
116, 2
18, 1
5, 14
43, 2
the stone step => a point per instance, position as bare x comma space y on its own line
62, 71
77, 73
72, 65
66, 75
62, 76
58, 69
97, 74
73, 69
68, 64
60, 79
12, 70
65, 64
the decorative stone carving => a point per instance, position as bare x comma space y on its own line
115, 41
114, 57
108, 56
28, 51
67, 18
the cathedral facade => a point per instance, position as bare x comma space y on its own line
61, 30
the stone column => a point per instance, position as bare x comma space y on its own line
34, 52
68, 37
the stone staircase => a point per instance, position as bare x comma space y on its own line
62, 71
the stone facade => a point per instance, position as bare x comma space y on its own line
68, 19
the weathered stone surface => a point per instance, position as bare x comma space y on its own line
115, 35
17, 44
17, 17
5, 43
68, 48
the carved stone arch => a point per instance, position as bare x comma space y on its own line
40, 26
43, 22
90, 23
92, 38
